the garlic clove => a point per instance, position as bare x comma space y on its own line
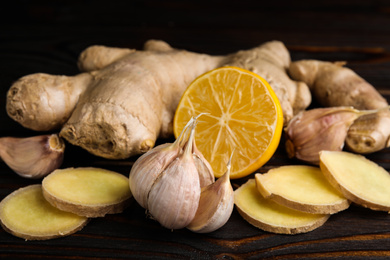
32, 157
151, 164
312, 131
147, 168
215, 205
174, 196
206, 174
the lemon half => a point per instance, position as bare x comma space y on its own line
241, 113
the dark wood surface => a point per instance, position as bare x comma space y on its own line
47, 36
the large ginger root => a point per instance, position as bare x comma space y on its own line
270, 60
333, 85
126, 99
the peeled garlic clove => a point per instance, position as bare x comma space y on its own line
319, 129
215, 205
32, 157
174, 197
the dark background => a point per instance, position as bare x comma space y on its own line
48, 36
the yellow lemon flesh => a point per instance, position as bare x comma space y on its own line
241, 113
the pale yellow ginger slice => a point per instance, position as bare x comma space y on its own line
271, 216
25, 213
360, 180
301, 187
90, 192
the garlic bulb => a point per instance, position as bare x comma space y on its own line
32, 157
165, 181
174, 197
148, 167
312, 131
215, 205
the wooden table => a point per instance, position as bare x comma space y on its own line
48, 37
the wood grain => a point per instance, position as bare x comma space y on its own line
47, 36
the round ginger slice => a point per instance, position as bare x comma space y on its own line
239, 111
90, 192
301, 187
360, 180
26, 214
272, 217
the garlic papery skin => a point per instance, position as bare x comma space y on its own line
312, 131
174, 197
33, 157
215, 205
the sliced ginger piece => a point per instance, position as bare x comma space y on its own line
25, 213
360, 180
301, 187
90, 192
271, 216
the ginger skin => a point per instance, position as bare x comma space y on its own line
127, 106
91, 59
44, 102
333, 85
125, 99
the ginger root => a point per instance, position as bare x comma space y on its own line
333, 85
126, 98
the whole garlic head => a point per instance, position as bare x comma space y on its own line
174, 196
165, 181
